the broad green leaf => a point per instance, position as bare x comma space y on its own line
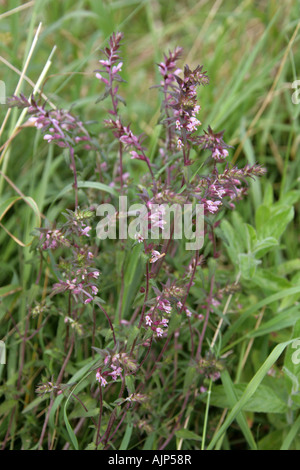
249, 391
256, 308
279, 321
132, 276
232, 397
268, 195
292, 366
272, 221
262, 247
130, 384
262, 214
288, 267
263, 399
290, 198
247, 265
271, 441
268, 281
234, 246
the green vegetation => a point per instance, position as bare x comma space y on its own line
250, 50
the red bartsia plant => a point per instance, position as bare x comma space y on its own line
165, 305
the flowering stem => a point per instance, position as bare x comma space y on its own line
121, 164
113, 416
206, 415
146, 296
147, 353
191, 281
109, 321
224, 313
177, 426
120, 422
73, 167
100, 416
144, 306
59, 379
151, 172
93, 332
199, 349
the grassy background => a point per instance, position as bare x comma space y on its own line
250, 50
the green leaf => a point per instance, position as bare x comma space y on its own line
256, 308
190, 376
6, 406
266, 280
133, 334
85, 185
232, 397
293, 431
268, 195
34, 403
187, 435
70, 430
262, 247
233, 246
263, 400
247, 265
127, 436
290, 198
249, 391
292, 366
279, 321
175, 323
132, 276
272, 221
130, 384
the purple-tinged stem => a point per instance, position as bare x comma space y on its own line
199, 349
73, 167
109, 321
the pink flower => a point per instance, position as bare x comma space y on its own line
101, 379
193, 124
85, 231
95, 274
156, 256
116, 372
179, 144
212, 206
133, 153
48, 137
219, 154
165, 306
94, 290
139, 237
159, 332
117, 68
